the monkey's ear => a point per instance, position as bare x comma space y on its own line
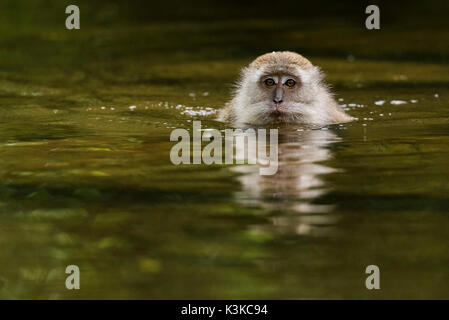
312, 76
244, 71
249, 75
317, 74
241, 79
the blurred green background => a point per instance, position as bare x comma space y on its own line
85, 180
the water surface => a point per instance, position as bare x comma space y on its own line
87, 180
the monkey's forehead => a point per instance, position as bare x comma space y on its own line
288, 70
281, 59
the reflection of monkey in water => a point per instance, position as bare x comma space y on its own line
299, 180
282, 87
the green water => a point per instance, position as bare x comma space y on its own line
92, 186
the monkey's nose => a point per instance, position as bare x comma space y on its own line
278, 94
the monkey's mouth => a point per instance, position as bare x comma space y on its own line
277, 115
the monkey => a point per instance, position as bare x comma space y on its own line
282, 87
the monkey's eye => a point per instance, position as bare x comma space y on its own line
290, 83
269, 82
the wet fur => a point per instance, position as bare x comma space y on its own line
312, 103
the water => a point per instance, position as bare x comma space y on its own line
86, 177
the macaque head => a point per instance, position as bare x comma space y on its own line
278, 87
